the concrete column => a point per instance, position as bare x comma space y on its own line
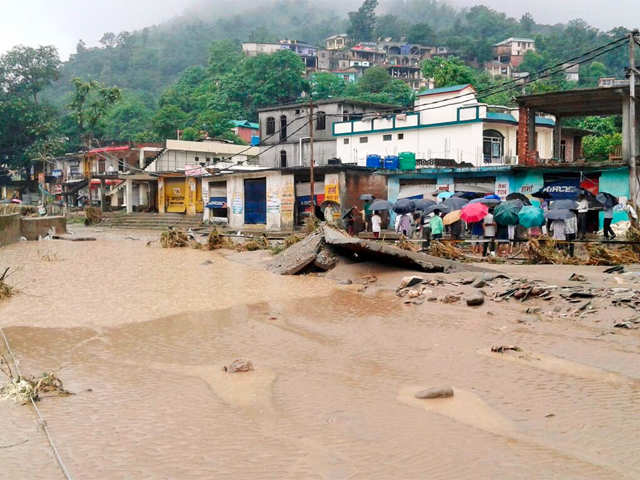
393, 191
532, 146
143, 194
128, 195
557, 140
626, 131
161, 196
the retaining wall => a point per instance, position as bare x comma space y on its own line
34, 227
9, 229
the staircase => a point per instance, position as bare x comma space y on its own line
152, 221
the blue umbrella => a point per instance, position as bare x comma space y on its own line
455, 203
445, 195
565, 204
492, 196
559, 214
531, 216
404, 205
422, 203
378, 205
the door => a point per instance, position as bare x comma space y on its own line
255, 201
199, 201
176, 195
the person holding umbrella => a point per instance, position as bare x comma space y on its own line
583, 210
489, 226
437, 226
376, 224
609, 234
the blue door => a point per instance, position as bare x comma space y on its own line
255, 201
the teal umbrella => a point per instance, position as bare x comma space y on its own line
531, 217
507, 213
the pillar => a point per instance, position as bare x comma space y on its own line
522, 146
626, 131
532, 146
161, 196
557, 141
128, 195
190, 194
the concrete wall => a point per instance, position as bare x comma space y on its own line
9, 229
35, 227
280, 200
615, 182
323, 151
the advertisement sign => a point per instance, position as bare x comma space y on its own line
332, 193
56, 173
217, 202
236, 205
194, 171
562, 189
528, 189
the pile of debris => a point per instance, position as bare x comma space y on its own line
174, 238
599, 254
545, 251
447, 250
23, 390
6, 290
321, 249
93, 215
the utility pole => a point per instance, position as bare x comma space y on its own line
633, 146
311, 179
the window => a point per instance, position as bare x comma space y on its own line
101, 165
401, 136
345, 117
346, 141
563, 150
283, 128
196, 159
387, 138
321, 121
492, 146
283, 159
271, 126
364, 139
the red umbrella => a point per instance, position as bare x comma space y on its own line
474, 212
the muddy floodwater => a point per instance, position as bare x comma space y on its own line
141, 334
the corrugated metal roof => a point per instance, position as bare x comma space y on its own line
245, 123
453, 88
507, 117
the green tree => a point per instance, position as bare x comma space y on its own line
450, 71
527, 23
363, 22
90, 103
421, 33
598, 148
29, 70
128, 119
390, 26
590, 74
326, 85
168, 120
374, 80
224, 56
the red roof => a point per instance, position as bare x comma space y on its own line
110, 149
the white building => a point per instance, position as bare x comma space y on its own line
447, 124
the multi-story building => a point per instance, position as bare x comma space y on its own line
448, 123
337, 42
510, 54
308, 53
284, 130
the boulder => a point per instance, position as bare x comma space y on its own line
436, 392
479, 283
410, 281
239, 366
475, 299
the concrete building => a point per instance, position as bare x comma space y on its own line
279, 199
447, 124
253, 49
337, 42
246, 131
512, 50
284, 131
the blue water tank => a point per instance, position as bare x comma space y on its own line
391, 162
374, 161
255, 140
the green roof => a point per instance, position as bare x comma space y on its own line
245, 124
507, 117
453, 88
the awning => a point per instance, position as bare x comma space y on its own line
110, 149
95, 181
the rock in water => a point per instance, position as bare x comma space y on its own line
437, 392
239, 366
410, 281
475, 299
479, 283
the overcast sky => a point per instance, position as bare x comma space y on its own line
64, 22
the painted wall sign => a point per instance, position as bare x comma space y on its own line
527, 189
332, 193
237, 206
273, 202
502, 189
194, 171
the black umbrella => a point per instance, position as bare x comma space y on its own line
607, 200
519, 196
367, 196
422, 203
559, 214
441, 207
541, 194
489, 202
564, 204
455, 203
591, 199
380, 204
404, 205
468, 195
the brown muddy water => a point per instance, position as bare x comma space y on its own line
141, 334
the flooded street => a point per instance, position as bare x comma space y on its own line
141, 334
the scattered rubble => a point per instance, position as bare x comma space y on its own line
577, 278
93, 215
174, 238
436, 392
23, 390
447, 250
239, 366
505, 348
448, 299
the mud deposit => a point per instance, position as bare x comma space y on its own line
141, 335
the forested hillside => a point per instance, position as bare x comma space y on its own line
189, 73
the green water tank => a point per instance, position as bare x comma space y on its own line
407, 161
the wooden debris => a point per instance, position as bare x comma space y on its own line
437, 392
6, 290
447, 250
93, 215
505, 348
